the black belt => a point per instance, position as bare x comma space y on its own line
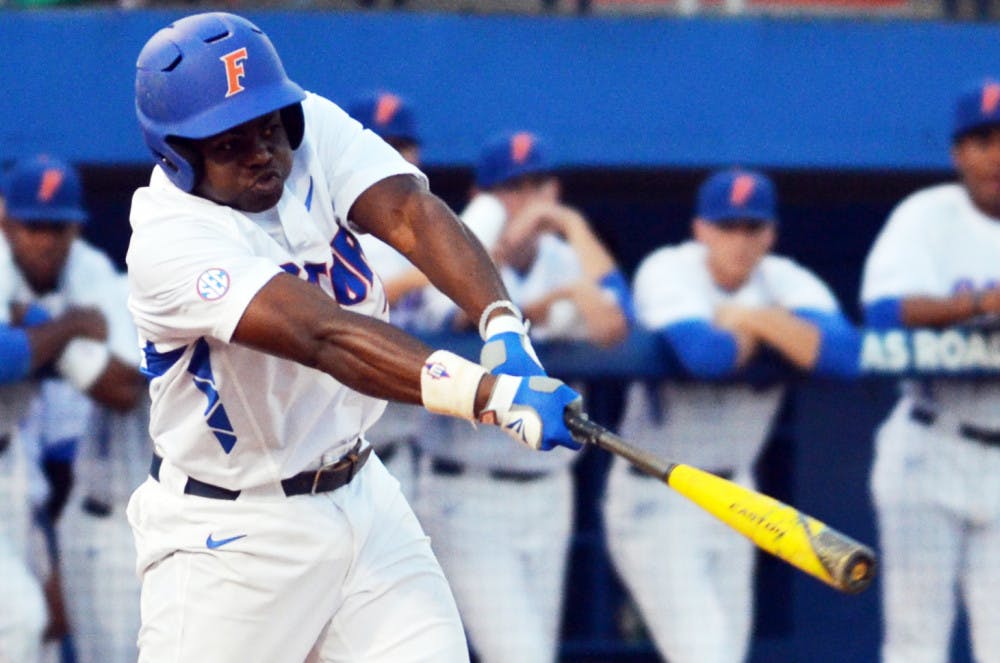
95, 507
722, 474
928, 417
322, 480
453, 469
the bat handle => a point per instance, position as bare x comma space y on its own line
590, 432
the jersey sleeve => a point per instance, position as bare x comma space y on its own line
666, 290
353, 158
900, 262
190, 278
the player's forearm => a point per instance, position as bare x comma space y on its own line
797, 340
594, 258
939, 311
293, 319
119, 386
48, 340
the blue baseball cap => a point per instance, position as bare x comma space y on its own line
510, 155
737, 195
387, 114
977, 106
43, 189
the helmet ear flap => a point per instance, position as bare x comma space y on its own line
294, 121
183, 162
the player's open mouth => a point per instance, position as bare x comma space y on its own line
267, 183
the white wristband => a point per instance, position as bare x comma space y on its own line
448, 384
486, 327
83, 361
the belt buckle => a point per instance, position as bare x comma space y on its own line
351, 458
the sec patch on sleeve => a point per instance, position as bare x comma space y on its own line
213, 284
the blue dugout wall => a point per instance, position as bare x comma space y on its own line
849, 116
608, 92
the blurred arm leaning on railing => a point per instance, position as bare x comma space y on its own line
893, 353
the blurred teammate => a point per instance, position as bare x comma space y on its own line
96, 545
935, 477
57, 296
267, 530
393, 119
718, 301
500, 517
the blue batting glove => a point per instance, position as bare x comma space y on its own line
530, 409
511, 353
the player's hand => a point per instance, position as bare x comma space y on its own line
87, 322
510, 352
530, 409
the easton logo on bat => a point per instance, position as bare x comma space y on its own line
758, 519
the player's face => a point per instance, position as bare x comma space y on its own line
734, 249
40, 250
977, 158
246, 166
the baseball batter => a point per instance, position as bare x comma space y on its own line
937, 460
717, 301
391, 117
58, 293
267, 530
500, 517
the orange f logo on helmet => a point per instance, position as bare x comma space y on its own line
520, 146
51, 180
991, 98
386, 108
743, 187
234, 70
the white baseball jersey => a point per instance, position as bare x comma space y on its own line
710, 425
194, 266
935, 490
936, 244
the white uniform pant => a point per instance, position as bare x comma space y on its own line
938, 501
22, 605
99, 582
334, 577
690, 576
503, 545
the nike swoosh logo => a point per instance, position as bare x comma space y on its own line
212, 544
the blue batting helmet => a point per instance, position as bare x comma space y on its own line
43, 189
205, 74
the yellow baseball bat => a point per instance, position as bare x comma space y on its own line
785, 532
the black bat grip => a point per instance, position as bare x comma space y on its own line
590, 432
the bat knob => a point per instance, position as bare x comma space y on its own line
858, 571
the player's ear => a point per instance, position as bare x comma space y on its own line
699, 228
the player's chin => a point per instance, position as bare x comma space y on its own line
261, 196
